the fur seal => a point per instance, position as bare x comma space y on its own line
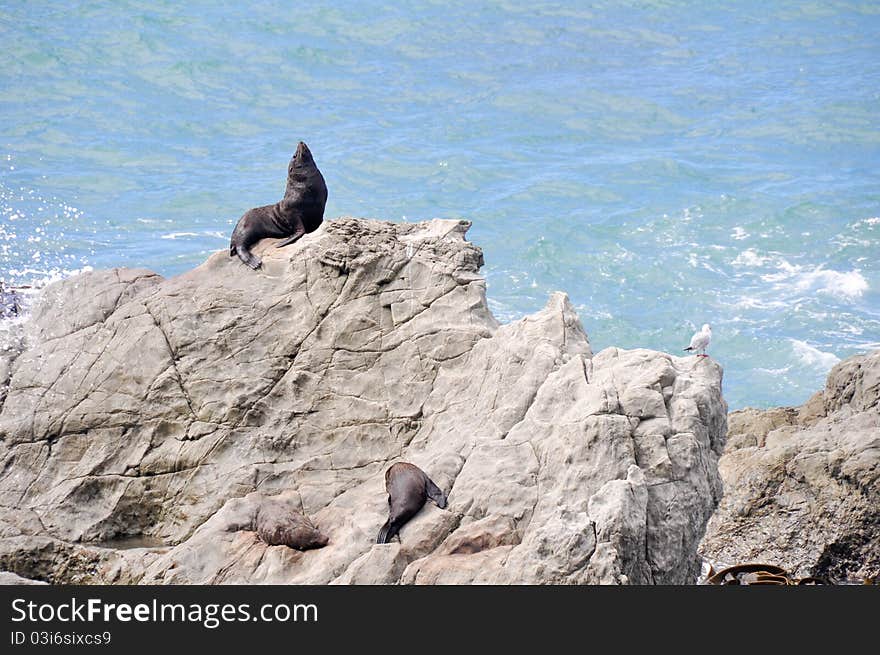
408, 487
278, 524
299, 212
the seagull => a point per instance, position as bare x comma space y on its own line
700, 340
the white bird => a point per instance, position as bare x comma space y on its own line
700, 340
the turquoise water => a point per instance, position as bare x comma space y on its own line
667, 164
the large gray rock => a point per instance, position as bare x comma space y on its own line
801, 484
149, 412
7, 578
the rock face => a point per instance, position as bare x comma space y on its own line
156, 413
801, 484
7, 578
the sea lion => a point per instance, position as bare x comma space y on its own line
300, 211
408, 487
278, 523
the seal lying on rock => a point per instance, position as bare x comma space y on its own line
278, 524
299, 212
408, 487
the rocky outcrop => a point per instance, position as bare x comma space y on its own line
7, 578
153, 412
801, 484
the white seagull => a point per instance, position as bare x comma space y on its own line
700, 340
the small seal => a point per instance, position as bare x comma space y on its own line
279, 524
300, 211
408, 487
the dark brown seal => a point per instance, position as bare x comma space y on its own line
279, 524
408, 487
300, 211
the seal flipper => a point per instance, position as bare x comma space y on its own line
244, 255
435, 493
383, 537
291, 239
243, 237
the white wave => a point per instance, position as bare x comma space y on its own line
177, 235
848, 285
750, 302
874, 220
813, 357
39, 278
739, 234
750, 258
217, 234
774, 371
851, 284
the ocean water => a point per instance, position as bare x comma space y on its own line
665, 163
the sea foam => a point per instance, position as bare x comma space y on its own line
813, 357
846, 285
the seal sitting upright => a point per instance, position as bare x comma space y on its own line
408, 487
299, 212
